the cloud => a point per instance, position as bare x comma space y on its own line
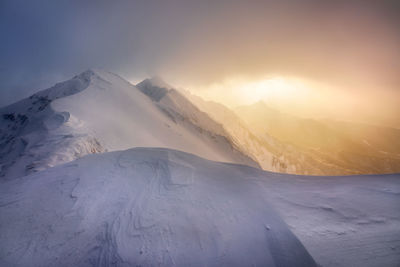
354, 44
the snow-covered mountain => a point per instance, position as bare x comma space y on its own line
34, 135
271, 153
183, 112
148, 207
98, 111
336, 148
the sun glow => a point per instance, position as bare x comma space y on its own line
277, 88
241, 91
298, 96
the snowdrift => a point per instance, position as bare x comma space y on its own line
143, 207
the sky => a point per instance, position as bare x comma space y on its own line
322, 57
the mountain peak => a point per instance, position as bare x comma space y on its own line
75, 85
154, 87
87, 73
259, 106
159, 82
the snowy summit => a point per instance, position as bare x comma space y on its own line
96, 171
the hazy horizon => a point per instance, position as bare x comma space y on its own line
312, 58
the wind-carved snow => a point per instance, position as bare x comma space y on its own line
121, 116
164, 207
98, 111
35, 136
343, 220
148, 206
144, 207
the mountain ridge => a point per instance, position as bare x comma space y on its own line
98, 111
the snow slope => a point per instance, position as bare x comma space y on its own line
98, 111
271, 153
342, 220
144, 207
148, 206
35, 136
182, 111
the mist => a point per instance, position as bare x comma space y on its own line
349, 47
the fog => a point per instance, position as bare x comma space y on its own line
346, 51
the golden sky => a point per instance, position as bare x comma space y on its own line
341, 58
322, 58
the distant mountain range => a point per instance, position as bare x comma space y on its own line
339, 147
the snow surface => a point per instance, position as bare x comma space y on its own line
143, 207
121, 117
35, 136
98, 111
148, 206
342, 220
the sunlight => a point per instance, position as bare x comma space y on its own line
244, 91
277, 88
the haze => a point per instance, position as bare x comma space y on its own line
339, 59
